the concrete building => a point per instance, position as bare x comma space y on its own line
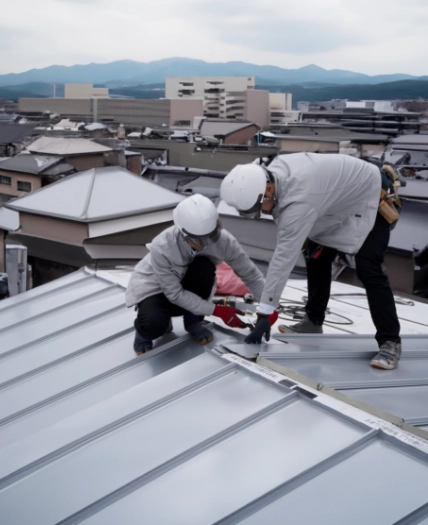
280, 109
140, 112
84, 91
375, 105
252, 105
332, 141
200, 87
192, 155
223, 97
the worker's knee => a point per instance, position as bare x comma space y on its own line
151, 325
200, 277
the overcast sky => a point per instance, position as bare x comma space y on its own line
367, 36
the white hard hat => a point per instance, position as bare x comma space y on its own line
244, 188
197, 219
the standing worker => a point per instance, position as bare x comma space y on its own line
332, 200
177, 277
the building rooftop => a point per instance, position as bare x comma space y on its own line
34, 164
97, 194
188, 434
14, 132
216, 127
65, 146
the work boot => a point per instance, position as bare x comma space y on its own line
200, 333
141, 345
388, 356
193, 325
305, 326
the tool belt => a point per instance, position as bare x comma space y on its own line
389, 200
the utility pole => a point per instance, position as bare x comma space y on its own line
94, 109
54, 90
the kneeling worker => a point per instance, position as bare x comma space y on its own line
332, 200
177, 277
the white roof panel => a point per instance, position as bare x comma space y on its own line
66, 146
184, 434
96, 194
130, 194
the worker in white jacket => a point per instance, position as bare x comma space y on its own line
177, 277
333, 201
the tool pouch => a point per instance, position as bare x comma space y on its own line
387, 208
389, 200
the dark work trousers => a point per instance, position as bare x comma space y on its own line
369, 270
155, 312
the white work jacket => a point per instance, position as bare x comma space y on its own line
162, 270
330, 198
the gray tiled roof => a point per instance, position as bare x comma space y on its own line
27, 163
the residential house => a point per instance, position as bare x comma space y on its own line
13, 136
25, 172
83, 154
228, 132
103, 214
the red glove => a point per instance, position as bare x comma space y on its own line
273, 318
228, 314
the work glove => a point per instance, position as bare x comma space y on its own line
263, 324
228, 314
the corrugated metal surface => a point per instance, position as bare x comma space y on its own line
89, 433
342, 362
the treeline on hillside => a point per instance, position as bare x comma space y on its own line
31, 90
403, 89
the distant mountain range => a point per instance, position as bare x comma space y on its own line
129, 72
403, 89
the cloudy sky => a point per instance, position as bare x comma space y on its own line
368, 36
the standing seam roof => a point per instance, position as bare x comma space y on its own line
184, 434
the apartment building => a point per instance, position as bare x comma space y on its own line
234, 98
223, 97
205, 87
